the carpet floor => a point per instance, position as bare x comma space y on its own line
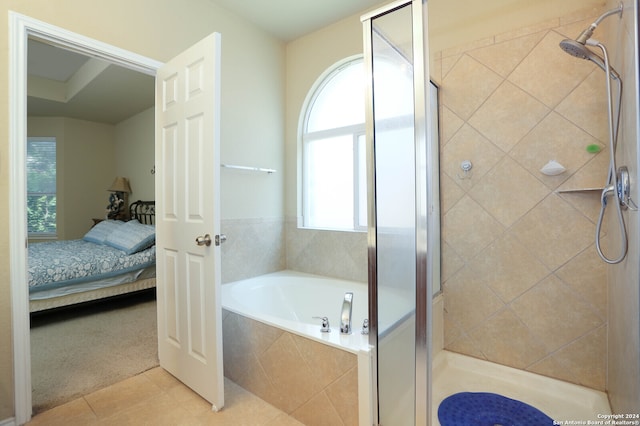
75, 351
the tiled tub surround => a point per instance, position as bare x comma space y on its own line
523, 285
263, 245
338, 254
253, 247
312, 382
312, 376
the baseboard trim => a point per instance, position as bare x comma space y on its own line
11, 421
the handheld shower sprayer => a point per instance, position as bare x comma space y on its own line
579, 49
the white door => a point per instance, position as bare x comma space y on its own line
187, 213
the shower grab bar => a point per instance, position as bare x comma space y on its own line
252, 169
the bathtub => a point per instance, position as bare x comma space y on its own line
290, 300
274, 347
294, 301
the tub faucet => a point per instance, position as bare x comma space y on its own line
345, 316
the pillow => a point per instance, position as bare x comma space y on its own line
132, 237
99, 233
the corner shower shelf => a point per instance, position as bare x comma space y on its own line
559, 191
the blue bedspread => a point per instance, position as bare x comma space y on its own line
59, 263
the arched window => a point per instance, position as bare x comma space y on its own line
333, 150
334, 187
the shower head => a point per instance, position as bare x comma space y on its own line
579, 50
578, 47
575, 48
587, 33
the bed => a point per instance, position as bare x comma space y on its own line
113, 258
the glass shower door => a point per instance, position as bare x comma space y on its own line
397, 218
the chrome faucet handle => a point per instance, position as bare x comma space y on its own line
324, 328
365, 326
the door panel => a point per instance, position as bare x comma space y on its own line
188, 273
398, 257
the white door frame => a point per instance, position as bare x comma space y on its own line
22, 27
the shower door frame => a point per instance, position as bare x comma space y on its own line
427, 227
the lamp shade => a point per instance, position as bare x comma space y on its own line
120, 184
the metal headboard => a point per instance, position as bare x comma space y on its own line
143, 212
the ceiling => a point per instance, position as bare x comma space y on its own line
290, 19
62, 83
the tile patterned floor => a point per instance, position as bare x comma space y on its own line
157, 398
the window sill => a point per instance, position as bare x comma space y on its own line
311, 228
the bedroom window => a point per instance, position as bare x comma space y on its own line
333, 150
41, 186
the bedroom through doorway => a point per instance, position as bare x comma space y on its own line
95, 110
78, 132
176, 90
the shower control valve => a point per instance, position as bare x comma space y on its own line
623, 189
324, 328
466, 167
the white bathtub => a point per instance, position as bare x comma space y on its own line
289, 300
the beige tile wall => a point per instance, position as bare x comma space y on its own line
523, 285
336, 254
263, 245
312, 382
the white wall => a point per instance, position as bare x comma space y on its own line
252, 127
134, 154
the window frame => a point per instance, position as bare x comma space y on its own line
356, 131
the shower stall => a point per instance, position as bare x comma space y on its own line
523, 284
526, 294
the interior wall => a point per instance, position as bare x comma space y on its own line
86, 168
252, 116
135, 154
624, 295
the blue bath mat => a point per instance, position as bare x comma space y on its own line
488, 409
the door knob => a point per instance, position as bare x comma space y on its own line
204, 241
220, 239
